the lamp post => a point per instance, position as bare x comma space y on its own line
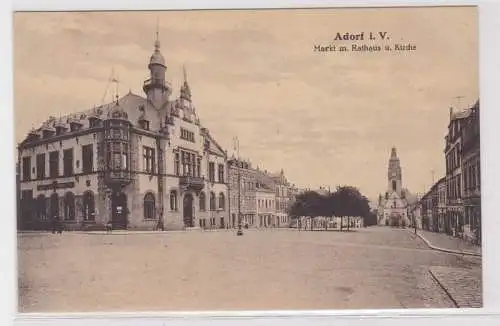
237, 144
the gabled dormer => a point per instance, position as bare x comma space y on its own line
60, 127
48, 128
94, 118
142, 121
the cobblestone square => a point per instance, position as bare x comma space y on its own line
273, 269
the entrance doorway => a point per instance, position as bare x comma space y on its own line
188, 211
119, 211
54, 207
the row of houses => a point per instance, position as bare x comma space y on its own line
261, 198
141, 162
453, 204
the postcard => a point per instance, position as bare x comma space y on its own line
226, 160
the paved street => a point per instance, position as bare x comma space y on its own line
274, 269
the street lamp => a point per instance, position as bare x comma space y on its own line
237, 144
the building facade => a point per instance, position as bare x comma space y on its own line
471, 172
242, 189
282, 199
441, 207
427, 209
393, 206
139, 162
454, 184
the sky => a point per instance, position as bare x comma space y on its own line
326, 119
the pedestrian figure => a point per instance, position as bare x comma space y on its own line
59, 225
109, 227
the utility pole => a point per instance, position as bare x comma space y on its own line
237, 145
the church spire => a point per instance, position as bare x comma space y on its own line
393, 153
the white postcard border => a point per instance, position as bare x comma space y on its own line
489, 81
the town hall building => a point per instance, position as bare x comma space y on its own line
139, 162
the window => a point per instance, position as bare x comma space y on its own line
144, 124
88, 206
212, 201
149, 159
54, 164
69, 206
203, 202
149, 206
198, 167
176, 164
93, 122
173, 200
222, 201
87, 158
221, 173
26, 168
211, 172
393, 185
189, 164
187, 135
40, 166
124, 161
68, 162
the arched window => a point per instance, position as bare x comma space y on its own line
212, 201
149, 206
222, 203
41, 208
88, 206
54, 206
203, 202
173, 200
69, 206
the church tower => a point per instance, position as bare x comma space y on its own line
156, 88
394, 174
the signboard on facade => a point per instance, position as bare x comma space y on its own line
56, 185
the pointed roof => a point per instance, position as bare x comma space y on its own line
185, 90
394, 155
157, 58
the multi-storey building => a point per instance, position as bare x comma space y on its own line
441, 208
242, 192
415, 213
282, 200
266, 212
137, 162
265, 199
426, 203
471, 172
454, 185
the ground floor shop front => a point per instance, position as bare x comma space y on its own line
125, 208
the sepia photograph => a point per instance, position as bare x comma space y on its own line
256, 160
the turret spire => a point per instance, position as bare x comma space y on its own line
185, 90
157, 39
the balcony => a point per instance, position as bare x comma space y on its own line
118, 177
192, 183
148, 83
